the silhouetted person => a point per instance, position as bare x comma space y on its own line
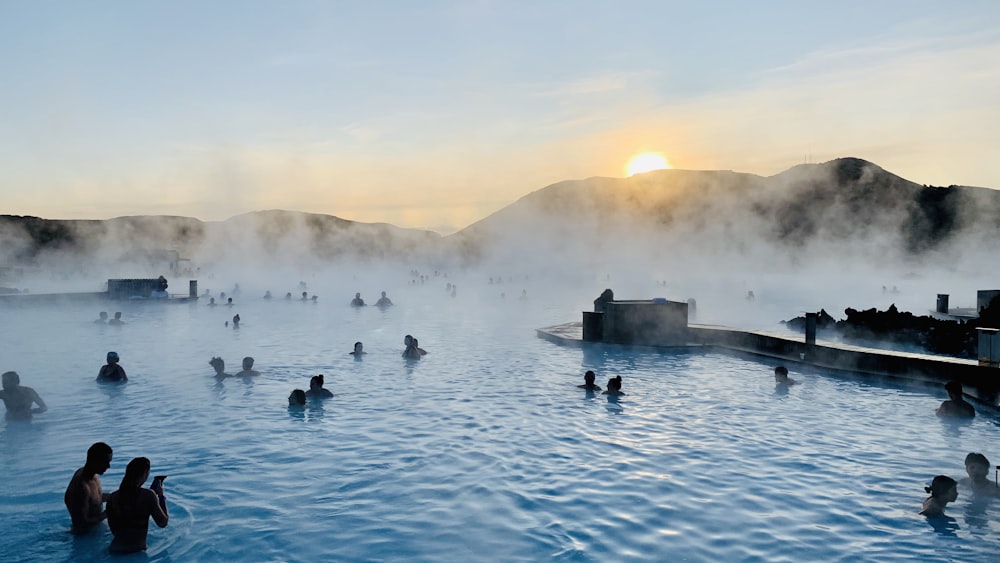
383, 301
131, 506
112, 372
316, 390
288, 296
18, 399
305, 296
267, 294
604, 298
297, 398
411, 352
588, 382
248, 370
359, 350
117, 320
236, 320
84, 498
220, 367
229, 302
943, 490
956, 405
211, 302
102, 318
614, 386
978, 467
781, 376
357, 301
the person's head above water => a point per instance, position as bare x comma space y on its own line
359, 347
943, 486
136, 473
589, 377
11, 379
247, 363
780, 373
316, 382
954, 389
615, 383
99, 457
112, 357
219, 364
977, 466
297, 398
407, 340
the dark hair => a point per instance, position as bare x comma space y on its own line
317, 379
953, 386
300, 396
135, 475
977, 458
781, 370
96, 451
590, 375
940, 485
13, 376
615, 383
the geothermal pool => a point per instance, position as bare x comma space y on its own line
483, 450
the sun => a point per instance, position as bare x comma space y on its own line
646, 162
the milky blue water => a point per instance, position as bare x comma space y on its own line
485, 450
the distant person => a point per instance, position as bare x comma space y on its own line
978, 467
781, 376
236, 320
248, 370
751, 297
112, 372
956, 406
357, 301
603, 299
383, 301
314, 299
297, 398
117, 320
943, 490
359, 350
588, 382
454, 290
131, 506
288, 296
211, 302
524, 295
84, 498
316, 390
267, 294
305, 296
229, 302
416, 344
102, 318
614, 386
411, 352
18, 399
220, 367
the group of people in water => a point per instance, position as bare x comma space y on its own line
127, 510
382, 302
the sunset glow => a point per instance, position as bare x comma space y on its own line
646, 162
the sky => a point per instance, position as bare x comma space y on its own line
435, 113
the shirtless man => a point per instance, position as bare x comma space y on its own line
18, 399
248, 370
83, 496
956, 406
112, 371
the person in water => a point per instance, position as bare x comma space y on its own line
267, 294
614, 386
781, 376
112, 372
588, 382
316, 390
383, 301
359, 350
943, 490
220, 367
102, 318
131, 506
117, 320
978, 467
357, 301
248, 370
211, 302
84, 498
297, 398
411, 352
288, 296
956, 406
18, 399
236, 320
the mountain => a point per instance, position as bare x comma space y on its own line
847, 205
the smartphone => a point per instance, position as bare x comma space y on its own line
158, 482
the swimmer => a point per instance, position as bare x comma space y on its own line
267, 294
314, 299
978, 467
117, 320
84, 497
588, 382
18, 399
211, 302
416, 345
102, 318
383, 301
220, 367
248, 370
956, 405
357, 301
288, 296
411, 352
316, 390
305, 296
229, 302
359, 350
131, 506
943, 490
524, 295
236, 320
614, 386
297, 398
112, 372
781, 376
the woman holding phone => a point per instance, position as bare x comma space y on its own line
130, 507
